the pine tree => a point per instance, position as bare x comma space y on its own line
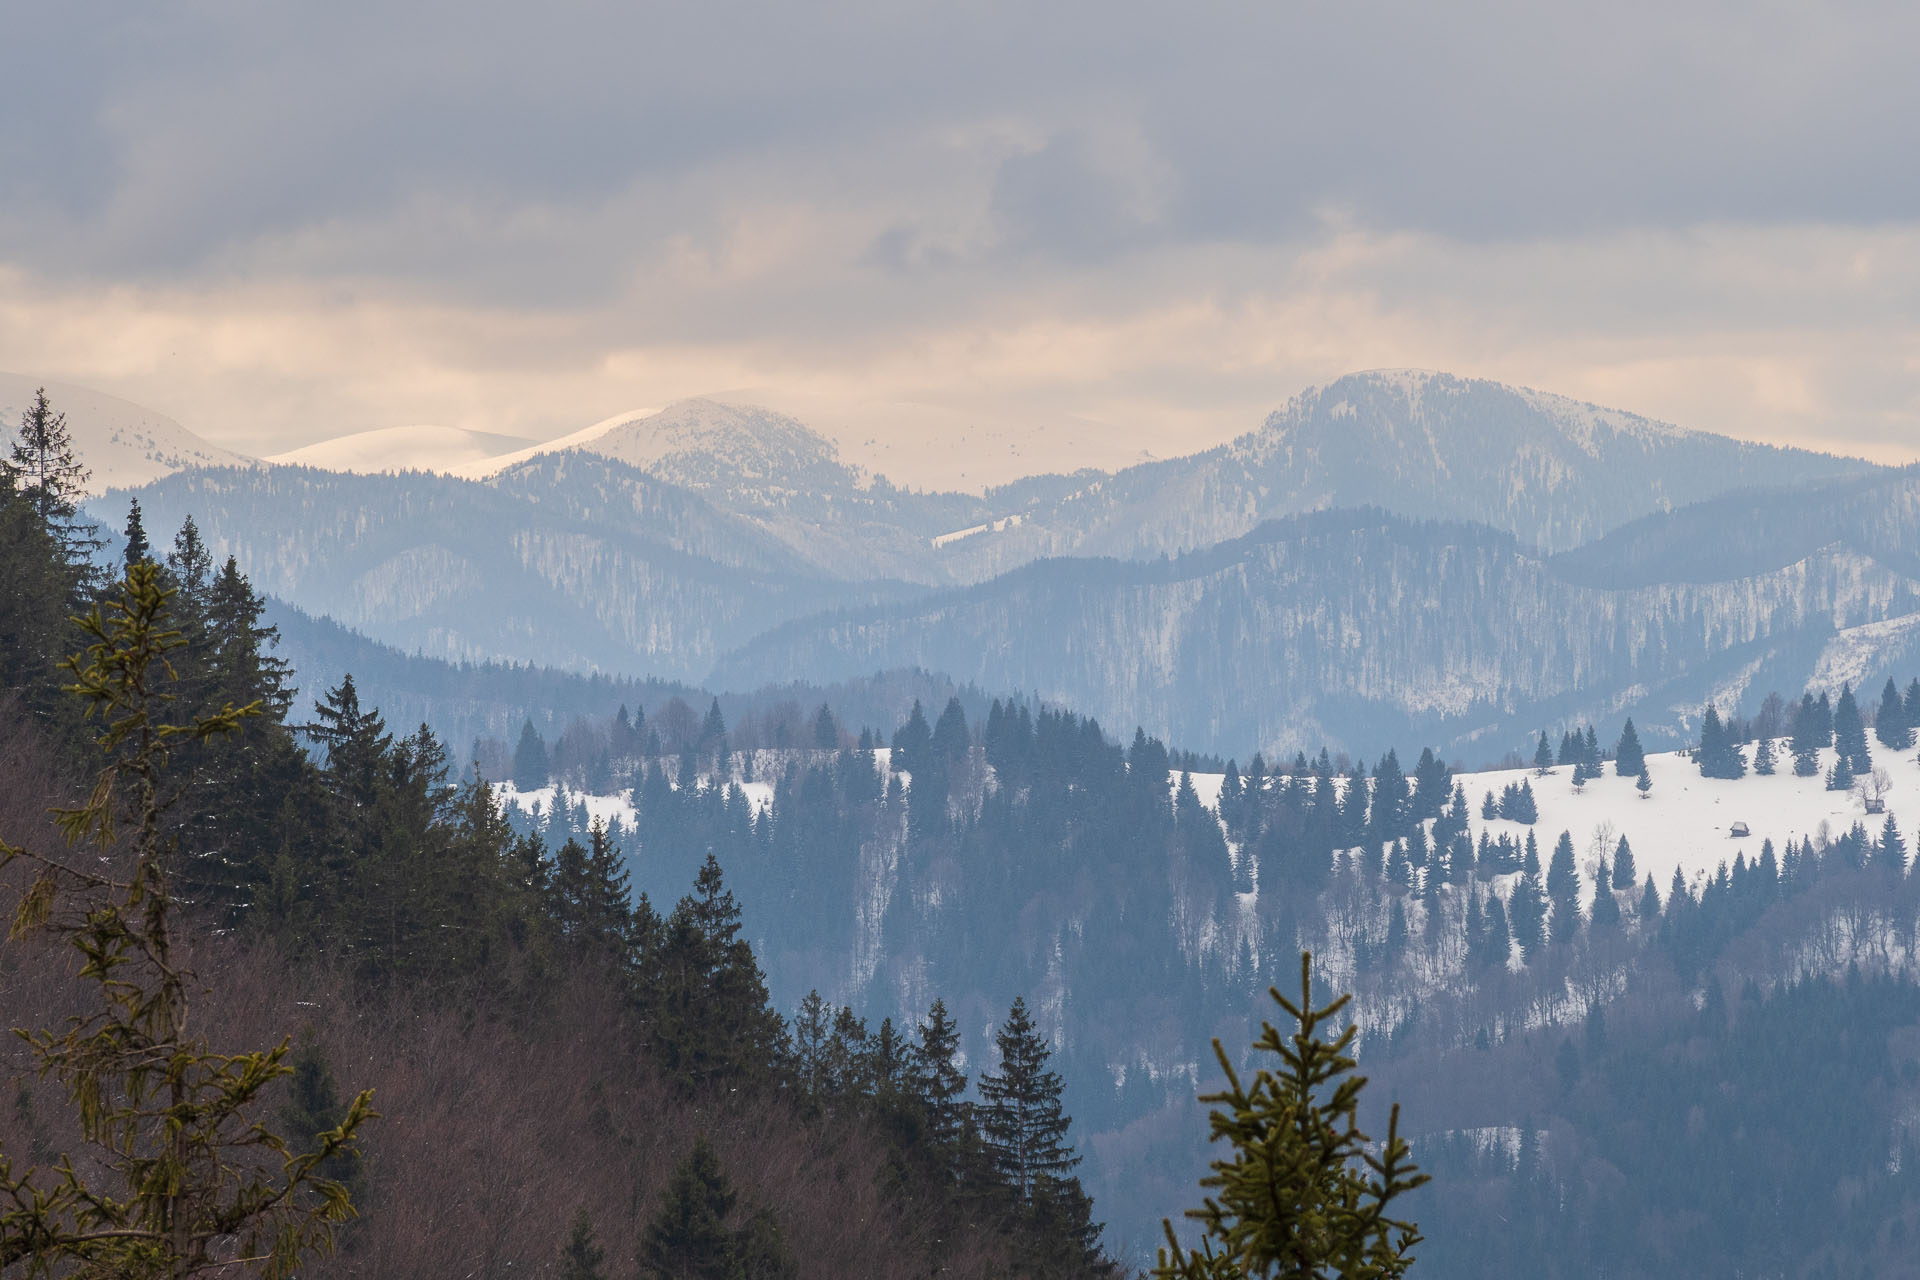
912, 742
1624, 872
1021, 1120
1890, 853
1763, 761
826, 733
1302, 1193
52, 479
1850, 732
580, 1257
1605, 913
938, 1080
1840, 777
1649, 908
1499, 935
1644, 783
1528, 908
1628, 756
136, 537
1563, 890
530, 768
1890, 724
185, 1172
1543, 756
688, 1238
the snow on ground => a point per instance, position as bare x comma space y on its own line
412, 448
1687, 820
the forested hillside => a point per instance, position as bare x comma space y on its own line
560, 1066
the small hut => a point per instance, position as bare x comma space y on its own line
1738, 831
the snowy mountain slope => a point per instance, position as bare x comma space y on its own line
1686, 821
416, 448
572, 562
488, 467
1345, 628
1553, 472
122, 443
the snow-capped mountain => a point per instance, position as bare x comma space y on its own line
415, 448
123, 444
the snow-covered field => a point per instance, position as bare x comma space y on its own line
1687, 819
1685, 822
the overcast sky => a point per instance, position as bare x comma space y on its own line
1082, 229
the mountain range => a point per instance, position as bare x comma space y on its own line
1397, 553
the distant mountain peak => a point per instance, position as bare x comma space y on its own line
122, 443
708, 445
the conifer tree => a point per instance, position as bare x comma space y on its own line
52, 480
581, 1256
826, 733
1850, 732
912, 742
136, 537
1543, 757
1563, 890
530, 768
1302, 1194
1624, 872
1649, 908
1890, 725
1763, 761
1890, 852
1021, 1119
1840, 777
688, 1238
1499, 935
937, 1079
181, 1172
1628, 756
1644, 783
1528, 908
1605, 914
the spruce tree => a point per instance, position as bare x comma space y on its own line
938, 1080
1528, 908
688, 1238
1605, 913
1021, 1119
1763, 761
530, 768
1624, 872
1543, 756
1649, 908
1850, 732
52, 480
137, 549
1890, 725
1890, 852
1628, 756
1563, 890
580, 1257
1499, 935
1302, 1193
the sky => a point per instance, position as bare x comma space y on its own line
988, 238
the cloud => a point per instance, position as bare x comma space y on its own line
278, 223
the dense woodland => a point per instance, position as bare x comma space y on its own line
571, 1081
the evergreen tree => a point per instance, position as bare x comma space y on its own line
580, 1257
1890, 852
136, 536
1499, 935
1021, 1120
912, 742
826, 734
1624, 872
1628, 756
688, 1238
1890, 725
530, 768
1543, 756
1644, 783
938, 1080
1563, 889
1763, 761
52, 480
1302, 1194
1850, 732
1840, 777
1528, 907
1649, 908
1605, 914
